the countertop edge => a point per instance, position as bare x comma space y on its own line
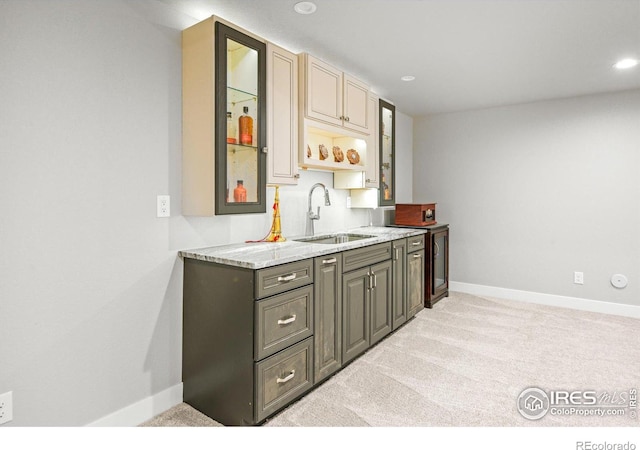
269, 254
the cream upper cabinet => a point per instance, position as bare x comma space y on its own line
355, 98
282, 116
224, 131
334, 97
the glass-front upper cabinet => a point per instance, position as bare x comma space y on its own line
387, 131
240, 92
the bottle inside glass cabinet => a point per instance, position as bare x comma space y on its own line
246, 127
240, 193
231, 129
385, 188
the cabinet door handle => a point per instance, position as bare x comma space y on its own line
265, 149
396, 254
375, 281
329, 261
291, 276
296, 176
287, 378
341, 117
368, 180
346, 118
436, 249
288, 320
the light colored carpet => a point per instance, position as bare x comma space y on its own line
464, 363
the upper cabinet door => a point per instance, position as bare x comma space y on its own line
356, 105
387, 125
241, 112
323, 91
282, 112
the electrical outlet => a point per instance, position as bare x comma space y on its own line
164, 206
6, 407
578, 277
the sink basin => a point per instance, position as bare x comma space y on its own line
339, 238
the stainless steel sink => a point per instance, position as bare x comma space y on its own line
338, 238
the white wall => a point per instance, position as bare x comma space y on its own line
404, 158
90, 281
535, 192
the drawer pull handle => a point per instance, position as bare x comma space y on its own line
287, 378
417, 256
329, 261
291, 276
416, 243
288, 320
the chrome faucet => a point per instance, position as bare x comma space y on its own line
310, 215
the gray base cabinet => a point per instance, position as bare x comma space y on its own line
247, 346
255, 341
355, 313
328, 315
399, 294
283, 377
381, 296
366, 297
415, 275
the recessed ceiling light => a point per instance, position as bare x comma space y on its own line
305, 7
408, 78
626, 63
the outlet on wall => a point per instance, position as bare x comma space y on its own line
6, 407
164, 206
578, 277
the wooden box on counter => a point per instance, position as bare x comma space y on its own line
413, 214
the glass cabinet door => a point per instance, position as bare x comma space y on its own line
240, 122
387, 154
440, 263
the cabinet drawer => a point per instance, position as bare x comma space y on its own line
361, 257
283, 377
415, 243
275, 280
283, 320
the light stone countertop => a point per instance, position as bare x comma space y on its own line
267, 254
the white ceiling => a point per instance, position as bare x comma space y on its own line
465, 54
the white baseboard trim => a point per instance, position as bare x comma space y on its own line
147, 408
561, 301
